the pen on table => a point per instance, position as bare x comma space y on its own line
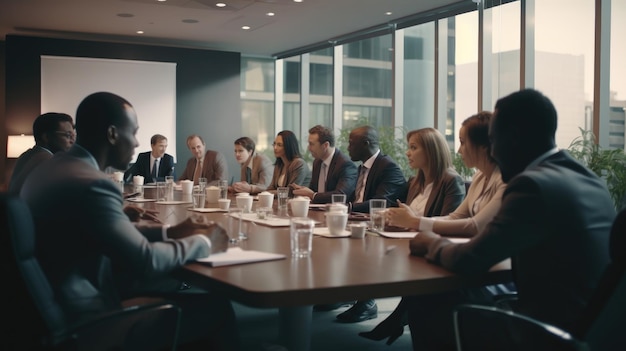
389, 249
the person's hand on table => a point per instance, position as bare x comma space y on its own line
402, 217
299, 190
242, 187
420, 243
199, 225
135, 213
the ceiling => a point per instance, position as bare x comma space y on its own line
294, 25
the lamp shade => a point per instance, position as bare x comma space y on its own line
17, 144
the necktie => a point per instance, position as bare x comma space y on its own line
155, 170
197, 172
360, 185
321, 183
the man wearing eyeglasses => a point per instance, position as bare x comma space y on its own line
53, 132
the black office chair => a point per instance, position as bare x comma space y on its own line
484, 328
33, 319
600, 327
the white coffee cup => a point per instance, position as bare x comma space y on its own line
266, 199
245, 203
357, 230
336, 222
224, 204
138, 180
212, 194
300, 206
186, 186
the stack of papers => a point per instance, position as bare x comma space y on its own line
235, 255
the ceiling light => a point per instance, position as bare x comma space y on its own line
388, 13
297, 0
220, 4
270, 14
245, 27
161, 0
139, 32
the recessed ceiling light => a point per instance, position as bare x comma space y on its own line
297, 0
139, 32
388, 13
220, 4
245, 27
270, 14
125, 15
161, 0
189, 21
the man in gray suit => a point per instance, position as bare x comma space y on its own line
554, 224
53, 132
333, 172
92, 254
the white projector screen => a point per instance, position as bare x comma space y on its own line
149, 86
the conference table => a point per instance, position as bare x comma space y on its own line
338, 269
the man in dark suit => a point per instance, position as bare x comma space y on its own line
379, 178
92, 254
53, 132
153, 165
554, 223
209, 164
333, 172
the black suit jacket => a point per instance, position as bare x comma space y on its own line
340, 178
142, 167
385, 181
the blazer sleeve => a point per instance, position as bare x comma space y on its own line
345, 175
220, 167
298, 172
188, 171
453, 191
389, 183
135, 169
168, 169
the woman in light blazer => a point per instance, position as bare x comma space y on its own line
256, 169
290, 167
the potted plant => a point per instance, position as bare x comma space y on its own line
608, 164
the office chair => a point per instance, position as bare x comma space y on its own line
600, 327
34, 320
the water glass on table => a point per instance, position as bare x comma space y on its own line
282, 194
169, 183
338, 198
202, 183
377, 214
301, 234
223, 185
235, 226
199, 198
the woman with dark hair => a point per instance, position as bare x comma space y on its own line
256, 169
290, 167
480, 205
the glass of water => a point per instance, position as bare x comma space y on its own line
282, 193
223, 185
202, 183
301, 233
377, 214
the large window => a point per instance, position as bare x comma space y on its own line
321, 88
257, 101
618, 76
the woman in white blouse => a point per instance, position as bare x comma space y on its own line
480, 205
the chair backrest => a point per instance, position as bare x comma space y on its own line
35, 312
605, 317
484, 328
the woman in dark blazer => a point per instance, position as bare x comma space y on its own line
290, 167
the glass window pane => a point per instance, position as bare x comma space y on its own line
618, 75
367, 82
257, 101
321, 88
564, 62
419, 76
291, 104
505, 48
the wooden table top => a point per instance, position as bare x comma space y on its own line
339, 269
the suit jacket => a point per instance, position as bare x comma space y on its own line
385, 181
297, 172
444, 198
142, 167
25, 164
554, 222
86, 244
214, 167
261, 171
340, 178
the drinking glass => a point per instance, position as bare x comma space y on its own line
301, 233
202, 183
282, 193
377, 214
223, 185
235, 227
169, 184
161, 191
199, 198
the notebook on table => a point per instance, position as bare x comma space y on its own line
235, 255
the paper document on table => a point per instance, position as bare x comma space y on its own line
396, 235
235, 255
